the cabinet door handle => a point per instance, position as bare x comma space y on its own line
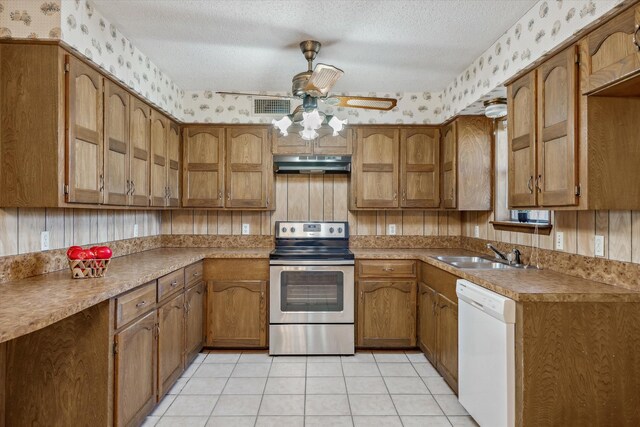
395, 195
267, 201
388, 269
530, 184
538, 181
196, 274
101, 182
133, 188
141, 304
128, 188
220, 195
636, 38
404, 195
228, 195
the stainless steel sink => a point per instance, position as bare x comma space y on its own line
465, 259
484, 265
473, 262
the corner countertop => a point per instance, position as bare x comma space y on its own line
525, 285
36, 302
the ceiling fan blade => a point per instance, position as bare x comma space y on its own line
322, 80
366, 102
261, 95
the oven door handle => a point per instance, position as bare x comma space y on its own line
311, 262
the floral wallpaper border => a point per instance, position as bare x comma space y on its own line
78, 23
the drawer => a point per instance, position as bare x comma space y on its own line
193, 274
386, 268
170, 284
135, 303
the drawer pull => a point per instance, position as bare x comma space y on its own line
388, 269
141, 304
174, 284
196, 274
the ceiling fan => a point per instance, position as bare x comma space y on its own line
313, 85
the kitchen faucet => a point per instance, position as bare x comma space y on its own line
515, 258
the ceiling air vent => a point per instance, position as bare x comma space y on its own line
271, 107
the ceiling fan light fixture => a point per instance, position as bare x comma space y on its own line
495, 108
337, 125
312, 120
308, 134
283, 125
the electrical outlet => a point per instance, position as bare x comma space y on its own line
135, 230
476, 231
599, 245
44, 241
392, 230
559, 241
246, 228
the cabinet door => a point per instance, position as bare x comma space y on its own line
449, 166
84, 147
474, 163
376, 169
194, 301
386, 313
140, 125
521, 104
135, 365
116, 145
159, 189
420, 168
249, 168
170, 343
292, 143
237, 314
613, 51
339, 145
427, 321
202, 168
173, 165
447, 338
557, 144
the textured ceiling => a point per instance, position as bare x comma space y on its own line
252, 45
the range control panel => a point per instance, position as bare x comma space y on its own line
312, 230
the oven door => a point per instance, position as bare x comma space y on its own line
311, 292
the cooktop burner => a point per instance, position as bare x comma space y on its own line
312, 241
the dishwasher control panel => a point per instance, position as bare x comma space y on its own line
494, 304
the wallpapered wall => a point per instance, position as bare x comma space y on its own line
81, 25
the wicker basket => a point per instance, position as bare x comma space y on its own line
87, 268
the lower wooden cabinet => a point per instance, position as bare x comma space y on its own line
447, 342
194, 321
386, 313
237, 314
135, 365
438, 321
170, 343
427, 320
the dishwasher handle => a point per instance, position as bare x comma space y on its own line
491, 303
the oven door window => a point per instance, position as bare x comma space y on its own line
312, 291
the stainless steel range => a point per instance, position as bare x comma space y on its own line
312, 289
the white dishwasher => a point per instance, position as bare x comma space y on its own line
486, 355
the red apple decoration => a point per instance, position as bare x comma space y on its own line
102, 252
71, 250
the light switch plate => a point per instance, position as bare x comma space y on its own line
246, 228
559, 241
599, 245
44, 241
392, 230
476, 231
135, 230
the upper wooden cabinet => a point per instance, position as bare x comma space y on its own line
376, 171
117, 179
467, 153
173, 165
420, 168
613, 51
140, 139
84, 167
326, 143
203, 167
248, 168
543, 141
165, 161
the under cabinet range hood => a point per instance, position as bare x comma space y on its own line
318, 164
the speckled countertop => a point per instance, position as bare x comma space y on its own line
33, 303
516, 283
36, 302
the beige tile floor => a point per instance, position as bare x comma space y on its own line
254, 389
